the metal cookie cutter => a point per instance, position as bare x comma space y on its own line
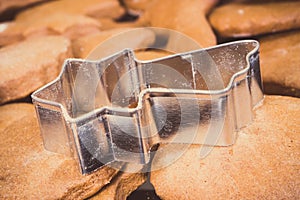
116, 108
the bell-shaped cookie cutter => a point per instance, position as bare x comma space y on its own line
117, 108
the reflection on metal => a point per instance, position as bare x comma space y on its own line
117, 108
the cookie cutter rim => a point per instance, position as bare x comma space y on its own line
68, 120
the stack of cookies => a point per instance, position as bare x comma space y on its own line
36, 36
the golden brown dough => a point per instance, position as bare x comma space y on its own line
84, 45
107, 24
121, 186
10, 33
264, 162
106, 43
248, 19
11, 4
27, 171
187, 17
72, 18
151, 54
87, 7
73, 26
280, 63
30, 64
137, 6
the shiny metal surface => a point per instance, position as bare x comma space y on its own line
117, 108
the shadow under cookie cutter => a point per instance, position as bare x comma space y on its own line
117, 108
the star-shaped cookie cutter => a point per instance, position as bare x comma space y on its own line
117, 108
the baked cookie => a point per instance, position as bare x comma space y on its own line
280, 63
106, 43
137, 6
187, 17
151, 54
84, 45
99, 8
264, 162
11, 4
30, 64
30, 172
121, 186
248, 19
46, 19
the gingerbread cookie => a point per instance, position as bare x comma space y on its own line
105, 43
121, 186
248, 19
262, 164
12, 4
30, 64
280, 63
187, 17
30, 172
72, 18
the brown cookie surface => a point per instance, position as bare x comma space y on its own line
30, 64
73, 26
10, 4
106, 43
30, 172
84, 45
280, 63
151, 54
262, 164
72, 18
87, 7
121, 186
248, 19
137, 6
187, 17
